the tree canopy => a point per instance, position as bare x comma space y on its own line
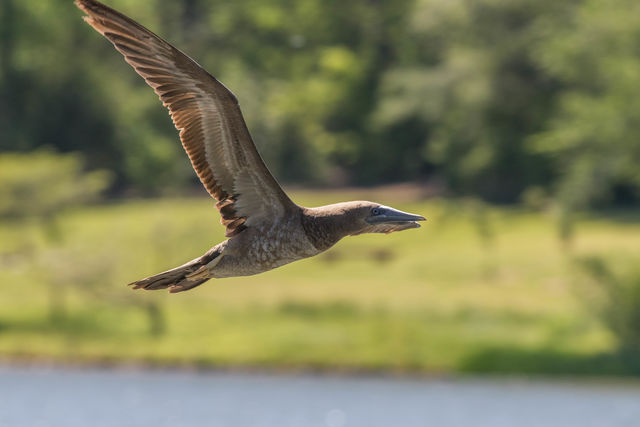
490, 98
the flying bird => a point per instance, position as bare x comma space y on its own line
265, 228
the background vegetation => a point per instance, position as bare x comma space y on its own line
490, 98
515, 121
439, 299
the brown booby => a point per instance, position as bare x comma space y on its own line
265, 228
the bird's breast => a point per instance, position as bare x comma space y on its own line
279, 246
261, 249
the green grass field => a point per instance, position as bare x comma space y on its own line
464, 293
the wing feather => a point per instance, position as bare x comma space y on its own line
207, 114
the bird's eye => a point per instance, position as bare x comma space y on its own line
375, 211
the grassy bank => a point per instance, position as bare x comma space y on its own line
478, 291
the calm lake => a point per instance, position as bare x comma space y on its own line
83, 398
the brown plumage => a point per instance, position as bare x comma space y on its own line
265, 228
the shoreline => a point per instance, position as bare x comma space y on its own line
7, 362
208, 368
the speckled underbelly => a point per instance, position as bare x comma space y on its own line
232, 265
263, 251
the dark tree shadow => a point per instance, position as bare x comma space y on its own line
504, 360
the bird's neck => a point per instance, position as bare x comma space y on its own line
324, 226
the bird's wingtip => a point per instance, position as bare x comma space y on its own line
82, 4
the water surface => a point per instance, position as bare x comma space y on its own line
83, 398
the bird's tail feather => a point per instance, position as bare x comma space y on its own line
178, 279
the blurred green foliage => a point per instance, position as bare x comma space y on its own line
39, 188
615, 296
486, 289
41, 185
493, 98
530, 101
594, 134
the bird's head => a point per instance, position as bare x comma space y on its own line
370, 217
326, 225
358, 217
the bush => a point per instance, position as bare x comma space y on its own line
41, 184
615, 296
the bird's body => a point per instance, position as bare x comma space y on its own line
264, 248
265, 228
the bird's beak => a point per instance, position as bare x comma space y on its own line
389, 215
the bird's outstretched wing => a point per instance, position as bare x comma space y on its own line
207, 114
